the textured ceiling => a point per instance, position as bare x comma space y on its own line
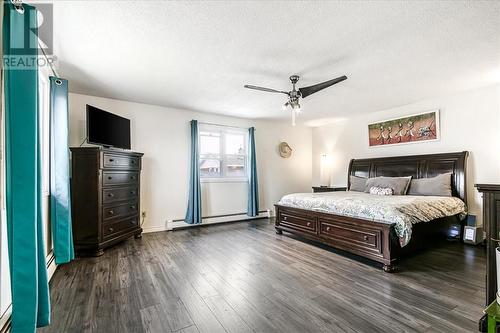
198, 55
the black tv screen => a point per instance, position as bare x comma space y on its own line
107, 129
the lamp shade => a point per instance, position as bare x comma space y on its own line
325, 170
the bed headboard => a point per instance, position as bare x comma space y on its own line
418, 166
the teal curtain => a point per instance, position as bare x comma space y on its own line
60, 201
29, 283
193, 214
253, 184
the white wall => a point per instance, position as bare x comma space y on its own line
162, 134
469, 121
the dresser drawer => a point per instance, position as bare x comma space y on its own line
110, 230
113, 194
118, 161
115, 211
299, 222
363, 238
119, 177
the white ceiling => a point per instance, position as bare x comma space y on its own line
198, 55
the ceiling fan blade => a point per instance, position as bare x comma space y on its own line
264, 89
306, 91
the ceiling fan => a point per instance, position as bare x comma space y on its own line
294, 95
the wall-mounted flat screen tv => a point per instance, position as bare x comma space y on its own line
107, 129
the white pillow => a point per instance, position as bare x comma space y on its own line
381, 190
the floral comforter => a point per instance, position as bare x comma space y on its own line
401, 210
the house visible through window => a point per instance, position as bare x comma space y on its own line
223, 152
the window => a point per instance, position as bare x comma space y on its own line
223, 153
44, 126
44, 137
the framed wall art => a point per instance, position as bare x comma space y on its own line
409, 129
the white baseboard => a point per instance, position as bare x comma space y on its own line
154, 229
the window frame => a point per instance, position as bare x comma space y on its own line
223, 157
44, 127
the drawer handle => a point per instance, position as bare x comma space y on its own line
133, 162
111, 212
111, 160
308, 224
111, 229
132, 177
132, 192
284, 218
109, 177
111, 195
327, 228
365, 238
132, 207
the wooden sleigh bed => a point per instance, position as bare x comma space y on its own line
374, 240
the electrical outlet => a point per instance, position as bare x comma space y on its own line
143, 214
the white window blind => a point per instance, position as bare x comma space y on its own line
223, 153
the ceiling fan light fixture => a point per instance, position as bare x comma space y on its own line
296, 94
295, 108
295, 105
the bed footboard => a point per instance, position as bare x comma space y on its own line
368, 239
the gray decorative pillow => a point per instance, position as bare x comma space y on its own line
357, 184
398, 184
381, 190
438, 186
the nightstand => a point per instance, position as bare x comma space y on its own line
318, 189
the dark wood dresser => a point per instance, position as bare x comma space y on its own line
105, 190
491, 224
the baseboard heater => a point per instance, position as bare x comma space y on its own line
215, 219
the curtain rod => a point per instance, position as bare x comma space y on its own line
204, 123
58, 81
18, 5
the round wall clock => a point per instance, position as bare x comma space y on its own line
285, 150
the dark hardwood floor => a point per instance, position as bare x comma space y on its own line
242, 277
